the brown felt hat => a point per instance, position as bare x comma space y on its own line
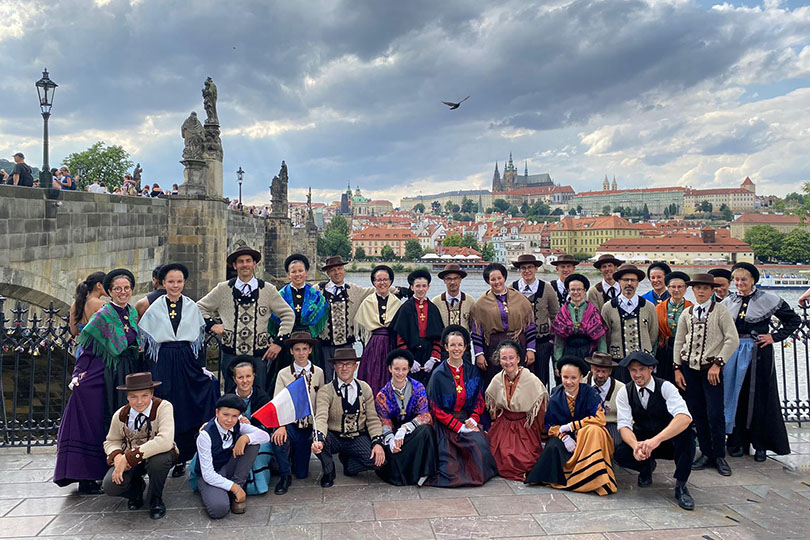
702, 279
300, 337
244, 250
138, 381
331, 262
601, 359
345, 354
565, 258
628, 269
527, 258
607, 258
452, 268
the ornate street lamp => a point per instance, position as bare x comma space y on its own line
45, 89
239, 176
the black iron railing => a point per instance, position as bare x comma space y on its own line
37, 356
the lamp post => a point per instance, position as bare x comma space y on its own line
45, 90
239, 176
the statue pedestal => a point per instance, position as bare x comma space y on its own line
213, 178
196, 175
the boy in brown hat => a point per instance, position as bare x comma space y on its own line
140, 442
608, 288
454, 305
565, 265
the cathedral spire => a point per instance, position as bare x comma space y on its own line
526, 169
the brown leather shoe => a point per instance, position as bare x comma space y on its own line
237, 507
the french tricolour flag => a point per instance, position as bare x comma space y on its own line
291, 404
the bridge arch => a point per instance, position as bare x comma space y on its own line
34, 289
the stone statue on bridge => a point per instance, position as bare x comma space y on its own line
136, 176
278, 192
209, 94
194, 137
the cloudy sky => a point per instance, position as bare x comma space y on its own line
673, 92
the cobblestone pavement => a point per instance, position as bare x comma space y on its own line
768, 500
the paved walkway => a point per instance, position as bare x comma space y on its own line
769, 500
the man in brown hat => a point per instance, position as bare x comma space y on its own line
602, 379
245, 305
453, 304
344, 300
565, 265
608, 288
346, 422
632, 320
140, 442
545, 306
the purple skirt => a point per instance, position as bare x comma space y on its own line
372, 364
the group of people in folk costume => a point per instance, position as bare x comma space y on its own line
449, 391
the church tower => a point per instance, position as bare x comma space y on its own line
509, 174
606, 184
497, 187
615, 188
526, 172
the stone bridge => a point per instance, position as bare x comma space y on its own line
51, 240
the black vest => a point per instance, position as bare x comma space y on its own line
650, 421
541, 287
219, 456
561, 298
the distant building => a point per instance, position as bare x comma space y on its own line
656, 199
374, 239
509, 247
780, 222
480, 197
555, 196
709, 247
585, 235
511, 180
741, 199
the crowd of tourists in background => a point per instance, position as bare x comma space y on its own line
547, 383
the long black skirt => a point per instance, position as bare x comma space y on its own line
463, 459
549, 468
664, 356
417, 459
130, 361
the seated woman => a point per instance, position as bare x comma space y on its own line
516, 400
456, 399
403, 408
577, 456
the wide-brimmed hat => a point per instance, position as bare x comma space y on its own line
643, 358
331, 262
300, 337
702, 279
564, 258
607, 258
661, 265
601, 359
166, 268
452, 268
138, 381
628, 269
118, 272
243, 250
527, 258
344, 354
747, 266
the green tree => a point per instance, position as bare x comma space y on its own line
513, 210
705, 207
618, 210
335, 240
606, 210
359, 254
107, 164
419, 208
452, 240
796, 247
387, 253
645, 212
572, 212
500, 205
582, 256
488, 252
539, 208
524, 208
469, 240
451, 207
412, 250
728, 215
557, 212
436, 206
467, 206
765, 241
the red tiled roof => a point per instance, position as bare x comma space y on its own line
638, 190
718, 191
569, 223
380, 233
764, 219
675, 242
747, 182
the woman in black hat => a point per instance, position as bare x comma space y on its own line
174, 330
578, 328
750, 391
657, 273
668, 313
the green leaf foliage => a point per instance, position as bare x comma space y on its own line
107, 164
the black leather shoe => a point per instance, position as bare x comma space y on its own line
645, 479
157, 509
701, 463
736, 451
179, 470
685, 500
722, 466
283, 485
760, 456
328, 480
89, 487
135, 499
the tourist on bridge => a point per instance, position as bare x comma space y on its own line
545, 307
577, 455
565, 265
418, 326
157, 291
632, 321
292, 444
516, 400
653, 421
752, 406
372, 322
454, 305
578, 328
722, 278
608, 288
602, 379
308, 304
174, 331
706, 337
500, 313
245, 305
90, 297
657, 273
140, 442
669, 312
408, 439
456, 394
110, 350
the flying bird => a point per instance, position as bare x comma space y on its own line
454, 106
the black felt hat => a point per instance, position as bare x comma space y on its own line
296, 257
417, 274
643, 358
661, 265
747, 266
456, 328
580, 278
573, 361
118, 272
232, 401
384, 268
677, 274
399, 353
721, 273
166, 268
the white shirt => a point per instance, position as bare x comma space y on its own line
561, 287
617, 290
352, 388
532, 287
451, 298
247, 287
333, 288
133, 414
211, 476
701, 314
603, 390
675, 403
628, 304
299, 369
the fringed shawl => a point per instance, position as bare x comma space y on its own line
441, 388
487, 314
388, 407
156, 326
592, 324
314, 310
558, 413
368, 315
104, 333
530, 396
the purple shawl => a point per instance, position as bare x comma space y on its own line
591, 326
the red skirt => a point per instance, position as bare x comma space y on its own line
515, 447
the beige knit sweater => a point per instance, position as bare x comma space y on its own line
698, 343
628, 334
456, 315
141, 445
329, 411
